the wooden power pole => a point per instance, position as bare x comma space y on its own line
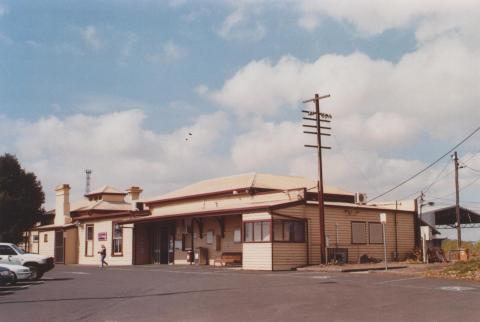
457, 202
319, 118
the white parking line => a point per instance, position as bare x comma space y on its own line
399, 280
456, 288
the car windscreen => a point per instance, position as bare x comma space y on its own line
18, 249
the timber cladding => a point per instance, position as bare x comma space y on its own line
338, 229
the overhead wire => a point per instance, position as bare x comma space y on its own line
429, 186
427, 167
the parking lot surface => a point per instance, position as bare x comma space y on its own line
184, 293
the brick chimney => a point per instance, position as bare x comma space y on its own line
133, 195
62, 205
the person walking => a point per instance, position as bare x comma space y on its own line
103, 254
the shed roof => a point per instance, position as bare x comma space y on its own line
243, 182
447, 216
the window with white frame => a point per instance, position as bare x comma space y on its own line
117, 240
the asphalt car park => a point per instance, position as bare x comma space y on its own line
183, 293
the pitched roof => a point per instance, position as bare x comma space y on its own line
106, 189
245, 181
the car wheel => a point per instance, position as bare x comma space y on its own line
35, 273
14, 280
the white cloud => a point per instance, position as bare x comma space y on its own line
169, 52
91, 37
427, 85
117, 147
242, 24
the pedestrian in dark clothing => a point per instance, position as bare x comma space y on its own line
103, 254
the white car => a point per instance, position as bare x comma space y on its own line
13, 255
22, 273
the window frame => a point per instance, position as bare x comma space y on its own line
45, 237
261, 223
365, 231
239, 241
117, 254
87, 226
381, 233
291, 232
209, 238
37, 238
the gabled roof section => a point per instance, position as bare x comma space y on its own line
106, 190
242, 182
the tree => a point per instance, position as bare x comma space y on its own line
21, 199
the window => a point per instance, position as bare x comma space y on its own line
237, 235
257, 231
45, 238
210, 237
289, 231
359, 232
6, 250
248, 232
375, 233
89, 240
35, 238
266, 231
117, 240
187, 241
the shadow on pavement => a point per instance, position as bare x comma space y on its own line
115, 297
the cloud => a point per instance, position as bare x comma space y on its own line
428, 85
118, 147
127, 47
91, 37
169, 52
242, 24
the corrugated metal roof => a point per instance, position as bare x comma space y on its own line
245, 181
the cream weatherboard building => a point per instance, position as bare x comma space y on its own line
259, 221
74, 231
266, 222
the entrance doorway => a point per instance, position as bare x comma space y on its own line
160, 244
154, 243
59, 247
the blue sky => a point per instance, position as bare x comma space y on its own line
117, 85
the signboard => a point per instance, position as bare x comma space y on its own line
383, 218
426, 232
102, 236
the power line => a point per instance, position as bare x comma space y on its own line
429, 186
429, 166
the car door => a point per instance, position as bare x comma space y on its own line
9, 256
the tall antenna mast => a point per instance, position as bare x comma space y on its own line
88, 173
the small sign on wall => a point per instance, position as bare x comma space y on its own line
102, 236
